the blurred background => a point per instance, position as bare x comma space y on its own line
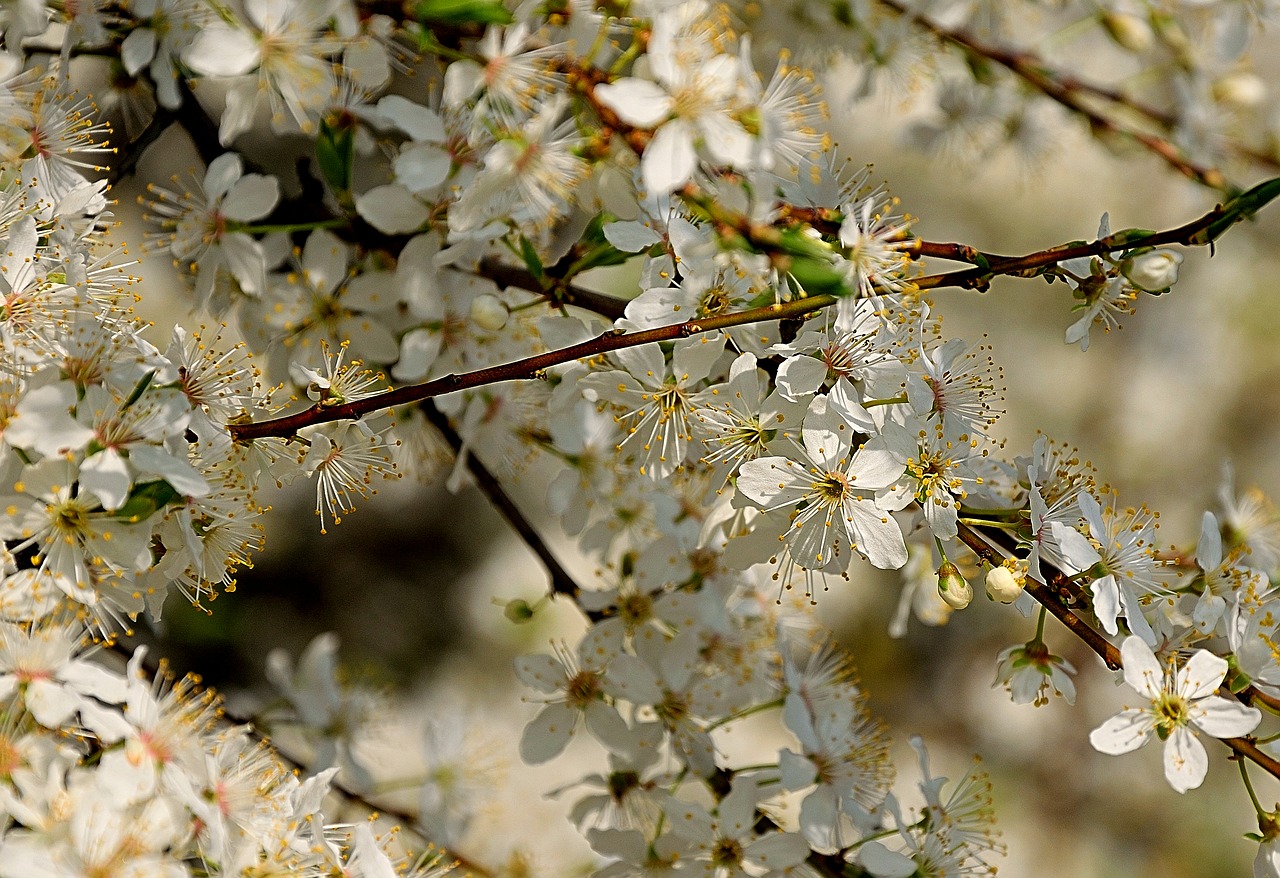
415, 581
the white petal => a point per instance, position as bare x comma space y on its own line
1141, 669
669, 160
541, 672
1201, 676
1185, 762
222, 51
1123, 733
138, 49
884, 863
419, 122
547, 733
1224, 718
636, 101
251, 198
392, 210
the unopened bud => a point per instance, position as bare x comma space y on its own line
1153, 272
1242, 89
489, 312
1002, 585
952, 587
1128, 30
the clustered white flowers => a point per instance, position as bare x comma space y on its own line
707, 462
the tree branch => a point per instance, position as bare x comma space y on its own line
561, 581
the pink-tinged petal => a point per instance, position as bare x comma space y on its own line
1185, 762
1224, 718
541, 672
548, 733
670, 159
636, 101
1141, 669
1123, 733
1201, 676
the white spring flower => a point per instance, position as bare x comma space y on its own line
1182, 703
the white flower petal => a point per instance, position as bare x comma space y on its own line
637, 102
1224, 718
392, 210
1185, 762
548, 733
1141, 669
1123, 733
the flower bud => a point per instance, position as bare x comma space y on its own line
1242, 89
952, 587
489, 312
1153, 272
1128, 30
1002, 585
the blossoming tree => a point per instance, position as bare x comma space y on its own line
771, 403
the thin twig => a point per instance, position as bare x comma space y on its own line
1048, 596
1068, 93
561, 581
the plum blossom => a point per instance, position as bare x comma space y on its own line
1182, 704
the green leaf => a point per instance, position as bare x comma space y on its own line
819, 277
532, 260
335, 153
139, 389
146, 499
1243, 206
1130, 237
456, 12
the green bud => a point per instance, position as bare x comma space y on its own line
952, 587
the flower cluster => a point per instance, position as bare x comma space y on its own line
776, 404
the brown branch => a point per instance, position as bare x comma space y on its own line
561, 581
1067, 92
1049, 596
615, 339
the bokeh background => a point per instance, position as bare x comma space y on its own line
414, 582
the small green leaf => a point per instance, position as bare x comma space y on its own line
335, 152
456, 12
139, 389
1243, 206
532, 260
146, 499
819, 277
